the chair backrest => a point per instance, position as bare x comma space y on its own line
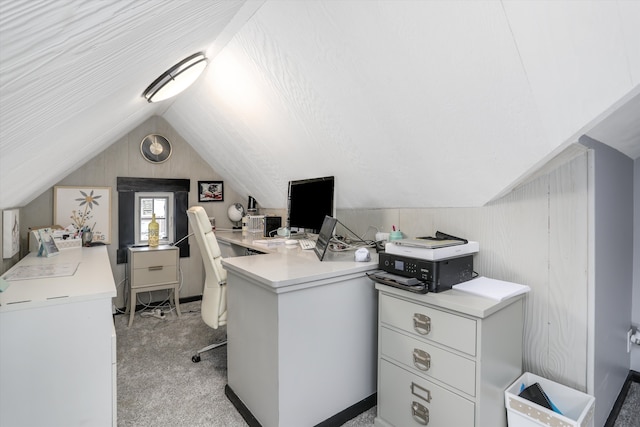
214, 294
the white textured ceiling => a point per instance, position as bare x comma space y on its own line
407, 103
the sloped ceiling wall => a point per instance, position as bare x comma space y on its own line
407, 103
72, 75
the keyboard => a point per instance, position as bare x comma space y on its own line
307, 243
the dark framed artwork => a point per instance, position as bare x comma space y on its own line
210, 191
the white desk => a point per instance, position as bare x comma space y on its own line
58, 344
301, 333
240, 241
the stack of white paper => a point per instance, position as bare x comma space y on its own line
491, 288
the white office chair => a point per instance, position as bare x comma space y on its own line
214, 295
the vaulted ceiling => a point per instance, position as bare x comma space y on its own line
408, 103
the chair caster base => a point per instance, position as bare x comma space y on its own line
196, 357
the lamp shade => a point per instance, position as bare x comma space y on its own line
176, 79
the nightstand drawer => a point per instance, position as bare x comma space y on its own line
428, 323
407, 400
154, 275
428, 360
154, 258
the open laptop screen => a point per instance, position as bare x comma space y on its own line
326, 232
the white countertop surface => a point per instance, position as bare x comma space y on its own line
92, 279
459, 301
284, 268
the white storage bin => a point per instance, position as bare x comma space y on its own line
68, 244
576, 407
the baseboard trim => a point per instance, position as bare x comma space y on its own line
351, 412
336, 420
241, 407
633, 376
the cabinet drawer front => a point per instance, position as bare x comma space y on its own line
406, 400
425, 359
155, 258
154, 276
425, 322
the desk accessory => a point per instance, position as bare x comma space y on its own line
271, 225
325, 235
362, 255
395, 234
3, 285
48, 246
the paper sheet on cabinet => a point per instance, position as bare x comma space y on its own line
491, 288
24, 272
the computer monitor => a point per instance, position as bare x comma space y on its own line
310, 200
326, 232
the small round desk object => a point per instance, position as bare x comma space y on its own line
362, 255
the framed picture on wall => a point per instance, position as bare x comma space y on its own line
10, 233
210, 191
86, 208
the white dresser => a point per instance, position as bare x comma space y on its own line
152, 269
58, 343
445, 359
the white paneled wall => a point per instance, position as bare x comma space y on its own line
537, 236
123, 158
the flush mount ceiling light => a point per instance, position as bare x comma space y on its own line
176, 79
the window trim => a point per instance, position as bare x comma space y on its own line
127, 186
170, 215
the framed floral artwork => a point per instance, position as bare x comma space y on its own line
10, 233
210, 191
85, 208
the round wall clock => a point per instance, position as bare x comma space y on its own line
155, 148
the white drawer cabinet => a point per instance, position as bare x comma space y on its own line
410, 400
152, 269
445, 359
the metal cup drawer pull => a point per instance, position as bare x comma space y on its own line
155, 268
421, 359
421, 392
421, 323
420, 413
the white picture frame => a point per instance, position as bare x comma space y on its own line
10, 233
84, 207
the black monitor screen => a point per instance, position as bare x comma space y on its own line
310, 200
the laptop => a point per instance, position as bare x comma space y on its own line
326, 233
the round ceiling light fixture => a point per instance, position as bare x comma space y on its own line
176, 79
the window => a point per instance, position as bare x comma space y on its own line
146, 204
127, 210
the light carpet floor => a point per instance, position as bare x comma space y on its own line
629, 415
159, 385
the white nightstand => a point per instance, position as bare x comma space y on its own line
152, 269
